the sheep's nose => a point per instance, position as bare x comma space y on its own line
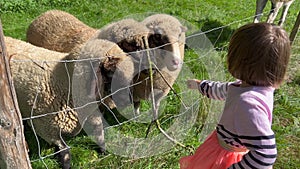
176, 62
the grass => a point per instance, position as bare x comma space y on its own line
205, 15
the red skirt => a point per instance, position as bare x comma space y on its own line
211, 155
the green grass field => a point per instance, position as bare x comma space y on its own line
219, 19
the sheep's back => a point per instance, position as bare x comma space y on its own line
59, 31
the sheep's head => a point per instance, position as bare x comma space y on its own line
167, 37
105, 55
127, 33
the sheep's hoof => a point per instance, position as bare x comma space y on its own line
64, 158
101, 151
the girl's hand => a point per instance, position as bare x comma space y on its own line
193, 83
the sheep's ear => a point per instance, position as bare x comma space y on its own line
183, 28
151, 26
158, 30
111, 62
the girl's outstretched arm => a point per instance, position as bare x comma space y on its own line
211, 89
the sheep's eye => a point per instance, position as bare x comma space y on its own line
157, 37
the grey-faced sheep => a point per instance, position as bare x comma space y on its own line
104, 72
59, 31
130, 35
43, 82
276, 5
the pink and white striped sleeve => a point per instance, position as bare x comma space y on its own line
214, 90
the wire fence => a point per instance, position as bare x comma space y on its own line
191, 102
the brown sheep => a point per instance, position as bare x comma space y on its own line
59, 31
48, 95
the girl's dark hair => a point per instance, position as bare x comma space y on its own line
259, 54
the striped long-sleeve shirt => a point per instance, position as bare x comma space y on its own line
246, 121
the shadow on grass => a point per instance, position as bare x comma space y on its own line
218, 34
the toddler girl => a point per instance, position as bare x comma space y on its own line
258, 56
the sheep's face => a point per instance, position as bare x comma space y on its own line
172, 56
168, 50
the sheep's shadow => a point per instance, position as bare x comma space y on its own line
218, 33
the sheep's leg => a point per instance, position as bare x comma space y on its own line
53, 135
64, 156
158, 97
285, 10
136, 105
260, 5
274, 11
94, 128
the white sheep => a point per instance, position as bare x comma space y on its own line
162, 32
44, 83
59, 31
276, 5
164, 46
167, 39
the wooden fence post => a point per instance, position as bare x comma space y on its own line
295, 29
13, 151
